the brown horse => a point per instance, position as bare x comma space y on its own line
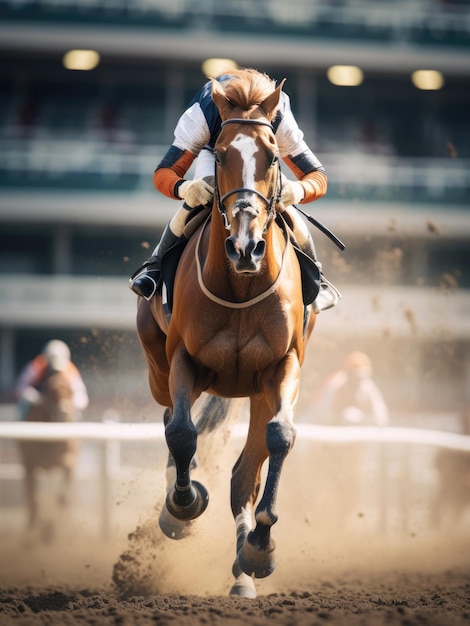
238, 328
56, 406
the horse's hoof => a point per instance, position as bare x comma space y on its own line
187, 505
243, 587
256, 561
171, 527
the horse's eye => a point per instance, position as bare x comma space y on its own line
219, 156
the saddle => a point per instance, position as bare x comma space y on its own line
310, 273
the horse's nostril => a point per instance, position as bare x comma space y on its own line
231, 250
259, 249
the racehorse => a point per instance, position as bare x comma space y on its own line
56, 405
238, 328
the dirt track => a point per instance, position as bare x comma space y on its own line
405, 600
63, 586
348, 573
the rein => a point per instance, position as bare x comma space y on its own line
229, 303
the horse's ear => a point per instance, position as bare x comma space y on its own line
220, 99
271, 103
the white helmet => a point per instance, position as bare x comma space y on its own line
57, 354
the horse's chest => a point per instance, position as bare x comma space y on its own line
237, 349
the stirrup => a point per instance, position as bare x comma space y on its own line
327, 297
144, 281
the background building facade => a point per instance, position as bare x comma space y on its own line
78, 212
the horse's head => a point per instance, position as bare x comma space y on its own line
247, 171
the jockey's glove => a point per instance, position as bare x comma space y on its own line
292, 192
31, 395
196, 192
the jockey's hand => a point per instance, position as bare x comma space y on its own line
196, 192
31, 395
292, 191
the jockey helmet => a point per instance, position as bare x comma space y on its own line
57, 354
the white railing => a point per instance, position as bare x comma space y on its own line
110, 434
116, 431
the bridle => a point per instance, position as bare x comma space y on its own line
270, 202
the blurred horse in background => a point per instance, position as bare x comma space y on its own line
238, 328
56, 405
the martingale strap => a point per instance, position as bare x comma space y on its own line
229, 303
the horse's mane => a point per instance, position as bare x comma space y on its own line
248, 87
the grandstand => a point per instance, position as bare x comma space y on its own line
78, 149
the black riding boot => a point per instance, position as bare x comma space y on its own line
328, 296
145, 281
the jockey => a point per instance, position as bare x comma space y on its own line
351, 397
55, 357
195, 135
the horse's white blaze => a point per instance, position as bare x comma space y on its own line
244, 232
247, 148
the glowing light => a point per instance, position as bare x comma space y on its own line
214, 67
345, 75
84, 60
429, 80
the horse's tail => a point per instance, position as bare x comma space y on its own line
212, 413
214, 418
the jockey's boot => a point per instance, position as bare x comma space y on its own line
145, 280
328, 296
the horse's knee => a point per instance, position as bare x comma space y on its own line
181, 440
280, 437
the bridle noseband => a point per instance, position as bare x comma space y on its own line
270, 203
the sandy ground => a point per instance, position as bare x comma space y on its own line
339, 561
409, 584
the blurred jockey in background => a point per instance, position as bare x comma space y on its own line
351, 397
55, 357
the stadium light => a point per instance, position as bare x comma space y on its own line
84, 60
429, 80
345, 75
215, 67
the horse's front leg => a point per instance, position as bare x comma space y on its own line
31, 500
257, 554
187, 499
170, 526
